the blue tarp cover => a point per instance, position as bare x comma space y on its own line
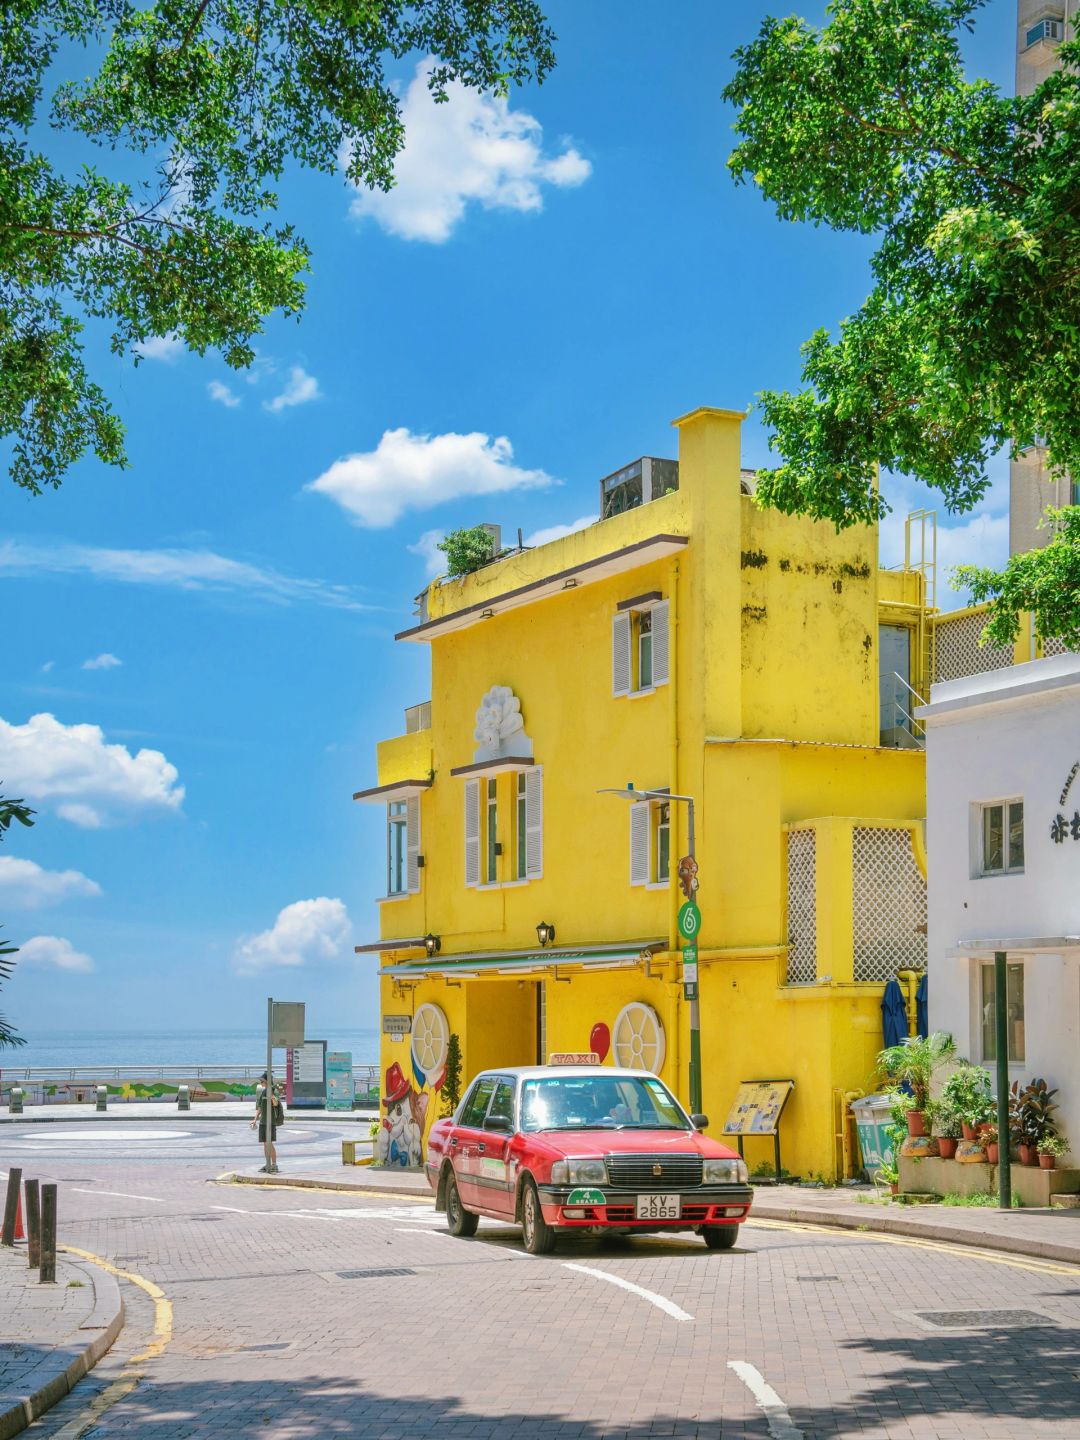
894, 1026
922, 1007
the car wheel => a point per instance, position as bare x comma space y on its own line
720, 1237
459, 1221
538, 1234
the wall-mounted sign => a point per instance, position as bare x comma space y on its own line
1061, 827
689, 964
757, 1107
398, 1025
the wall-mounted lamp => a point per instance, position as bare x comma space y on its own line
432, 944
545, 933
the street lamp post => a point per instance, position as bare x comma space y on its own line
690, 944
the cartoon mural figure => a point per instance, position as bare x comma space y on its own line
399, 1140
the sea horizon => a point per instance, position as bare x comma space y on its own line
81, 1048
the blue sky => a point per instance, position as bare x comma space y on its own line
203, 658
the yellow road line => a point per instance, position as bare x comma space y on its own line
994, 1257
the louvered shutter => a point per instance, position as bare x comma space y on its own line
534, 823
640, 812
412, 842
620, 655
472, 832
660, 665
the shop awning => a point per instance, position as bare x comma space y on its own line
523, 962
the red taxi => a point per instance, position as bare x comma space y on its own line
564, 1147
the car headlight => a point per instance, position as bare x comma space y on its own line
725, 1172
578, 1172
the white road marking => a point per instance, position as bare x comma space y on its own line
65, 1137
781, 1426
660, 1301
120, 1194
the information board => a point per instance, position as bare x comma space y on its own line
340, 1085
757, 1107
305, 1075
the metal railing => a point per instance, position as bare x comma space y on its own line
65, 1082
898, 713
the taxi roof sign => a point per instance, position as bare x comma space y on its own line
569, 1057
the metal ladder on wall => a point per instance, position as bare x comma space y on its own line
920, 555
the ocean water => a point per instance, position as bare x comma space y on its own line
167, 1047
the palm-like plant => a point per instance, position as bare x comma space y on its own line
913, 1062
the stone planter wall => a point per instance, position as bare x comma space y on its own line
1032, 1185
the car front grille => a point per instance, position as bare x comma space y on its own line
654, 1172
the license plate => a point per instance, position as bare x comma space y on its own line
659, 1207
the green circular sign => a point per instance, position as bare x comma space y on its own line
689, 920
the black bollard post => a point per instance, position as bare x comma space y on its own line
48, 1234
11, 1207
33, 1224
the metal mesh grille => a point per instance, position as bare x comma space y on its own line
888, 901
1054, 646
802, 907
957, 651
639, 1172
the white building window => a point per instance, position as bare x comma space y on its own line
491, 832
482, 845
639, 646
650, 842
1014, 1002
520, 827
403, 846
1000, 837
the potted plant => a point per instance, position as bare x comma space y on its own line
889, 1174
947, 1128
989, 1135
1034, 1108
1050, 1147
968, 1094
912, 1065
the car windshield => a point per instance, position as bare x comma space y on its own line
599, 1102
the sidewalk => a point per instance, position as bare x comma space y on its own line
1045, 1234
166, 1110
50, 1335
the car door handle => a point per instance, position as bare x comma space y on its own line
480, 1147
453, 1141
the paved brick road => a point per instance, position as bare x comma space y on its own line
273, 1337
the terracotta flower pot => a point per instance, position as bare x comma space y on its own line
991, 1152
894, 1188
1028, 1154
967, 1130
1046, 1162
916, 1122
946, 1146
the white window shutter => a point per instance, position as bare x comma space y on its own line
412, 842
620, 654
472, 832
534, 823
640, 814
660, 665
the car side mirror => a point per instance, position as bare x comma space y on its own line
499, 1122
699, 1122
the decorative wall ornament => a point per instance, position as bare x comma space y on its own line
500, 730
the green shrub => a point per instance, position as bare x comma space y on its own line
467, 550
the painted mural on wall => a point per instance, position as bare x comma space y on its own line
401, 1136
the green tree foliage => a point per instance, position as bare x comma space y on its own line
970, 338
467, 550
10, 810
195, 109
451, 1088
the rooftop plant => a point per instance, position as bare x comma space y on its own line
467, 550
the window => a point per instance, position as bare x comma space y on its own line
662, 869
1002, 837
502, 1103
1014, 1004
482, 848
491, 830
475, 1107
650, 842
639, 646
1045, 30
520, 826
403, 846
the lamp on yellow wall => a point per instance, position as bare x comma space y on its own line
545, 933
432, 944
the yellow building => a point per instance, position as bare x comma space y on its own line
688, 642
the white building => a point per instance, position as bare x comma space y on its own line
1003, 847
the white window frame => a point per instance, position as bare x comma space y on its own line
520, 829
472, 833
534, 823
490, 831
979, 812
645, 844
397, 832
984, 983
627, 645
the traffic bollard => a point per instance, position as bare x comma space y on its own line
15, 1100
11, 1207
33, 1224
102, 1098
183, 1097
48, 1234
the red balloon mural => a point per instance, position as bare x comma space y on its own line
600, 1039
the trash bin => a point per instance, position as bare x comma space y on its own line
873, 1115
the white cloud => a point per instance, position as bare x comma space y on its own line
299, 389
47, 666
104, 661
47, 760
471, 148
218, 390
415, 472
25, 885
172, 568
306, 931
427, 547
53, 953
161, 347
557, 532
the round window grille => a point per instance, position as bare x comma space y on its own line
637, 1038
430, 1041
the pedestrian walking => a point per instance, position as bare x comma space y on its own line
277, 1117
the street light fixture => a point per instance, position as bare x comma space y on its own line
432, 944
545, 933
630, 792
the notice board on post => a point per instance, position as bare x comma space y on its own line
340, 1086
305, 1075
757, 1107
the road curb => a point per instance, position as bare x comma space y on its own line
45, 1385
303, 1182
918, 1230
